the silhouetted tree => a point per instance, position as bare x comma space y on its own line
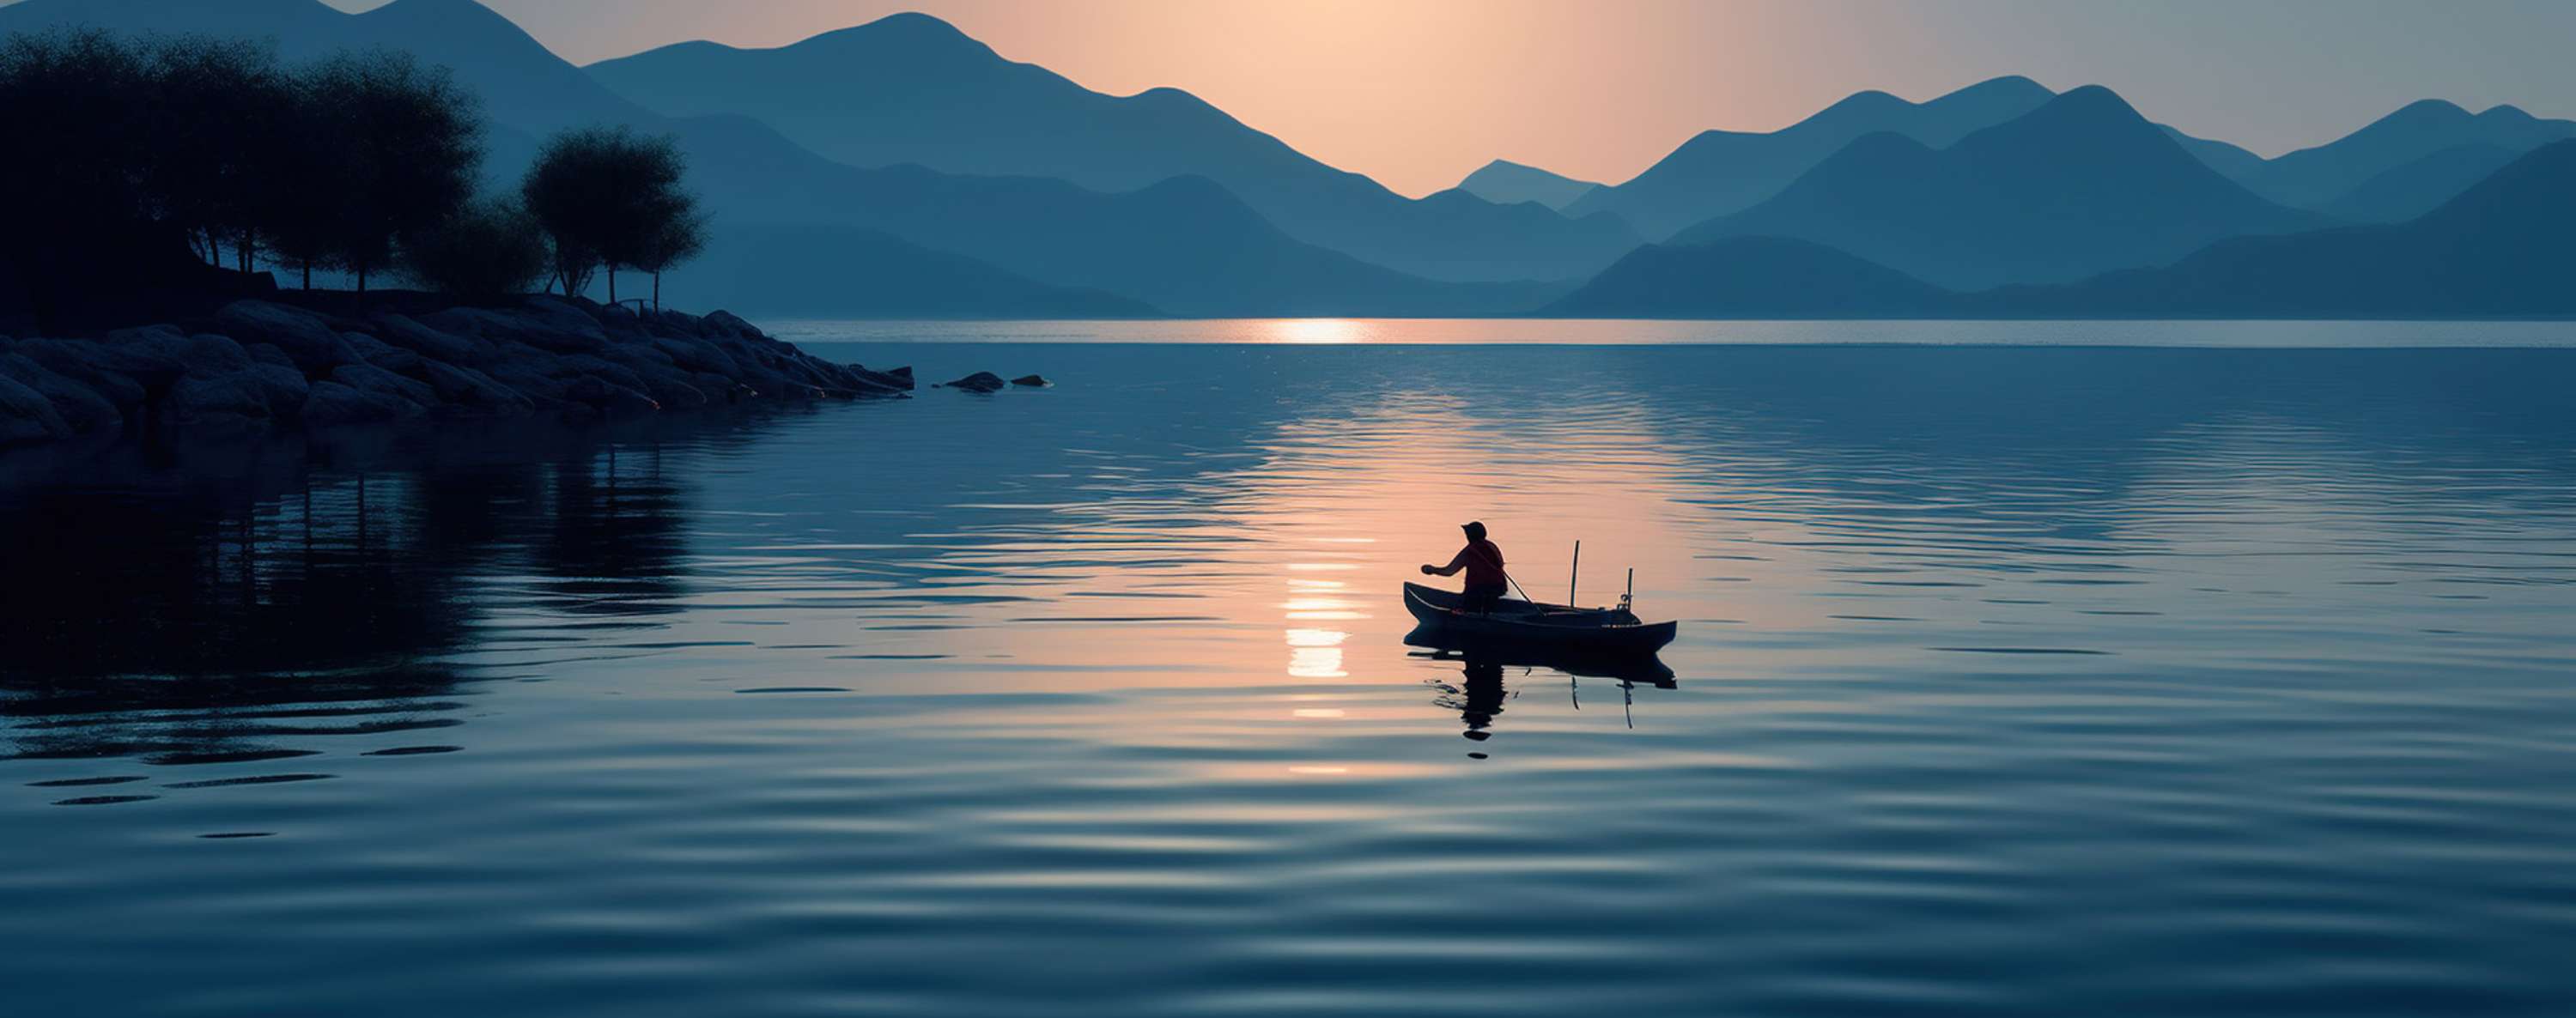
407, 143
78, 205
486, 248
680, 239
134, 153
221, 139
611, 197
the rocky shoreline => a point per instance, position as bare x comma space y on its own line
258, 367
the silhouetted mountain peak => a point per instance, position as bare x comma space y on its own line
2091, 116
424, 24
2010, 86
908, 32
2094, 100
447, 14
1871, 102
2506, 113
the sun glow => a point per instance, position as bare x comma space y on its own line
1314, 331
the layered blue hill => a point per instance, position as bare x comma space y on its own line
1185, 247
1508, 183
2079, 186
911, 89
1752, 277
1721, 172
2318, 177
788, 271
2504, 248
2421, 186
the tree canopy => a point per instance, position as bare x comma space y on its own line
190, 143
612, 197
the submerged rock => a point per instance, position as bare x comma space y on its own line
981, 381
1032, 381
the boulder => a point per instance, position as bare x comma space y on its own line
154, 357
285, 387
77, 359
1032, 381
269, 353
27, 417
680, 322
563, 325
613, 401
623, 324
399, 331
307, 337
981, 381
384, 355
531, 372
562, 329
234, 402
81, 407
332, 404
466, 390
376, 381
724, 388
697, 355
208, 353
726, 323
668, 385
899, 378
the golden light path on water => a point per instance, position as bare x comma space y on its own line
1309, 539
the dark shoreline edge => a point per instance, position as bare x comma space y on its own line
262, 368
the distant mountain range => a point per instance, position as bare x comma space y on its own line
2505, 248
913, 89
2078, 186
1722, 172
2317, 178
1753, 277
901, 168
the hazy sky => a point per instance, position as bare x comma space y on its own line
1417, 93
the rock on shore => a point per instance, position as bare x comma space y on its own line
261, 367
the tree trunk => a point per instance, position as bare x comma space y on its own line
657, 289
308, 277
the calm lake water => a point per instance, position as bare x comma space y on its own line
2018, 680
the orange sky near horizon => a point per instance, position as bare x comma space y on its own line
1418, 93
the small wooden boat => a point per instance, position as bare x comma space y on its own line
1599, 630
1625, 666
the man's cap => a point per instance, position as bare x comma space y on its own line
1473, 528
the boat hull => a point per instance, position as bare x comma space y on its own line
1599, 630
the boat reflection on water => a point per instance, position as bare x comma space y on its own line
1483, 662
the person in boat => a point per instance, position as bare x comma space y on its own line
1483, 562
